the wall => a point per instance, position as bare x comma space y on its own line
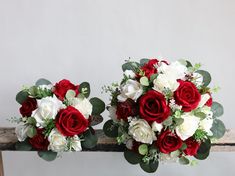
89, 40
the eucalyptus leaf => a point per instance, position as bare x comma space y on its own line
150, 167
98, 106
22, 96
132, 157
70, 94
96, 119
130, 66
153, 77
201, 115
143, 149
110, 129
217, 109
144, 81
184, 161
85, 89
31, 121
23, 146
178, 121
206, 77
144, 61
47, 155
204, 150
90, 139
42, 81
31, 132
168, 121
218, 129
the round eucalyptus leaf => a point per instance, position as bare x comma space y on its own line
184, 161
22, 96
23, 146
96, 119
143, 149
206, 77
150, 167
202, 156
217, 109
47, 155
90, 139
31, 132
110, 129
42, 81
204, 150
132, 157
98, 106
218, 129
85, 89
144, 61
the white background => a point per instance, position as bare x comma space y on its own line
89, 40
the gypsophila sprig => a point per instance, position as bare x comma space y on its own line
57, 117
163, 112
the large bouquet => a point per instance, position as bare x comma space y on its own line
164, 111
57, 118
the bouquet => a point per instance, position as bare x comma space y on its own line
162, 112
57, 118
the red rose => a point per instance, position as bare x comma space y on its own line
192, 147
168, 142
63, 86
187, 96
126, 109
153, 107
39, 142
149, 68
209, 102
71, 122
28, 106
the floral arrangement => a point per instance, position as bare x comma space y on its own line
57, 118
163, 111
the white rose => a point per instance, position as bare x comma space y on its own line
157, 127
21, 132
129, 74
83, 105
58, 142
75, 143
141, 131
164, 81
47, 109
188, 127
131, 89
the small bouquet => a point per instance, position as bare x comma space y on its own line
57, 118
163, 111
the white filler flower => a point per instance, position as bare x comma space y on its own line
188, 127
141, 131
131, 89
47, 109
58, 142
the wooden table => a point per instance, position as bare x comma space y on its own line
8, 140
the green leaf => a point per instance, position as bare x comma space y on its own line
96, 119
31, 121
178, 121
204, 150
23, 146
21, 96
184, 161
42, 81
144, 61
84, 88
144, 81
47, 155
206, 77
153, 77
184, 146
150, 167
110, 129
143, 149
90, 139
185, 62
217, 109
201, 115
168, 121
98, 106
130, 66
218, 129
132, 157
31, 132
